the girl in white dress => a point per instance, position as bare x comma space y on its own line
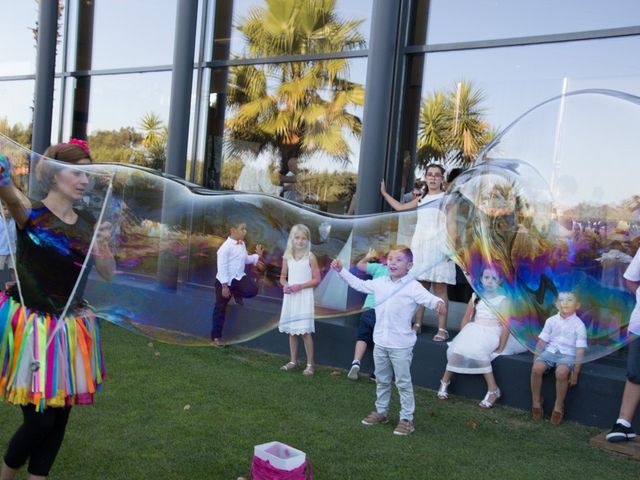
300, 273
430, 264
480, 340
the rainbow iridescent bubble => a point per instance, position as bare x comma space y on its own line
165, 235
551, 209
545, 204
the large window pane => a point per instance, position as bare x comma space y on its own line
16, 112
128, 34
308, 110
467, 20
18, 47
513, 80
128, 117
253, 29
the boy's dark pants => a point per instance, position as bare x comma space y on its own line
246, 287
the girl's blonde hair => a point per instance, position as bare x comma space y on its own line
288, 253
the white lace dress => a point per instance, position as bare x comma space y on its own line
297, 317
470, 351
430, 262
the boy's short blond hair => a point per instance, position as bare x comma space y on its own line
402, 249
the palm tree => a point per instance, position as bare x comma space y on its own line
452, 127
155, 139
299, 107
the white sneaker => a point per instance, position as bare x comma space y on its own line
354, 371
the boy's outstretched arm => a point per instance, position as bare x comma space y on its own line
429, 300
354, 282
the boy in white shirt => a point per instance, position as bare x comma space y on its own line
622, 430
231, 279
397, 298
561, 345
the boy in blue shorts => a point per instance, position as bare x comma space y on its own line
368, 317
561, 345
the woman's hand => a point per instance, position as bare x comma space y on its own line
5, 171
103, 235
336, 265
383, 188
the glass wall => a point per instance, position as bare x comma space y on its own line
133, 34
18, 48
310, 108
294, 28
16, 109
475, 20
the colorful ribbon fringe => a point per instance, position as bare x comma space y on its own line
45, 372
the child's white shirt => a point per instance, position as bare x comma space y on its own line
564, 335
232, 258
396, 303
633, 273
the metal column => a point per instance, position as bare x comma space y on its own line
181, 83
45, 71
378, 103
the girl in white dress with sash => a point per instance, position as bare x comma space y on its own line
482, 337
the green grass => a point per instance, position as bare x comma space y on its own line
139, 428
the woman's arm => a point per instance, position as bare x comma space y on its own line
17, 203
102, 255
395, 204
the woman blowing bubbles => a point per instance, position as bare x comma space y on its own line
46, 366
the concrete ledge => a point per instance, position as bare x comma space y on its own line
594, 401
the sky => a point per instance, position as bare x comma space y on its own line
512, 80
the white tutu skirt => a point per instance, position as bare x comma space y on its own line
470, 351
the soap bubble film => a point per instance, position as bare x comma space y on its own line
551, 209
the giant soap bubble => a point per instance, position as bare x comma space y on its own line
553, 204
165, 234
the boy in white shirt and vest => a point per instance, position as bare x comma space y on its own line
231, 279
397, 297
561, 345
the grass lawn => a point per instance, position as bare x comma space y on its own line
140, 428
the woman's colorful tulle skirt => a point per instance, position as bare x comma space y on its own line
66, 370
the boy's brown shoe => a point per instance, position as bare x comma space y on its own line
374, 418
556, 418
536, 413
404, 428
